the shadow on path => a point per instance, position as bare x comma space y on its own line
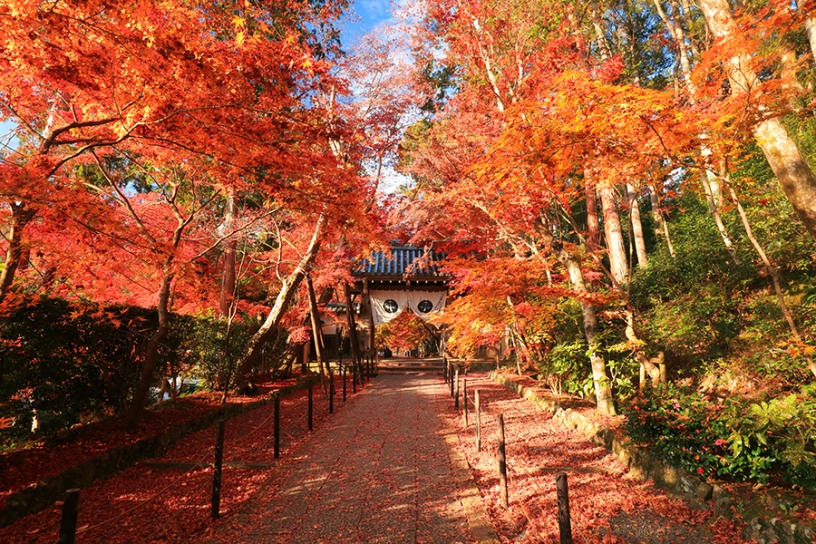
378, 472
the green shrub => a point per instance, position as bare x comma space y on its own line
566, 368
72, 362
210, 352
732, 437
69, 361
700, 259
678, 425
775, 436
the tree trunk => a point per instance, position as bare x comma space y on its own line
657, 217
228, 273
678, 35
165, 387
352, 328
48, 277
637, 227
137, 404
593, 225
794, 174
667, 234
614, 235
317, 331
603, 390
521, 342
715, 213
21, 215
772, 271
284, 298
810, 29
597, 23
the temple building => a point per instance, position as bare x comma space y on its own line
387, 284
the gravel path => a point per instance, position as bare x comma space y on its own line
379, 472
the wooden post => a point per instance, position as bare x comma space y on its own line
445, 369
465, 399
662, 367
365, 302
70, 504
309, 408
219, 458
331, 388
352, 327
477, 403
642, 376
456, 395
343, 372
277, 425
564, 527
502, 464
451, 381
317, 329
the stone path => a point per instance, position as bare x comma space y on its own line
380, 471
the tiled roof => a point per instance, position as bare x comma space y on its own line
401, 261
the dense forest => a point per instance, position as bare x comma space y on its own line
624, 191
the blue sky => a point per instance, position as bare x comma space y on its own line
364, 15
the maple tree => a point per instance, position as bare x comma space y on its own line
539, 120
794, 174
119, 98
407, 333
208, 158
166, 241
509, 68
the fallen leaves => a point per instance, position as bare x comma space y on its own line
606, 504
143, 504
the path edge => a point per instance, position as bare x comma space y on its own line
479, 523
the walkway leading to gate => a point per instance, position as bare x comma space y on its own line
379, 471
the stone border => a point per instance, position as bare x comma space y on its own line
689, 487
44, 493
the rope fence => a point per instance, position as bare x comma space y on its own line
451, 376
68, 527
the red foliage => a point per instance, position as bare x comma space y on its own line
605, 503
149, 504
